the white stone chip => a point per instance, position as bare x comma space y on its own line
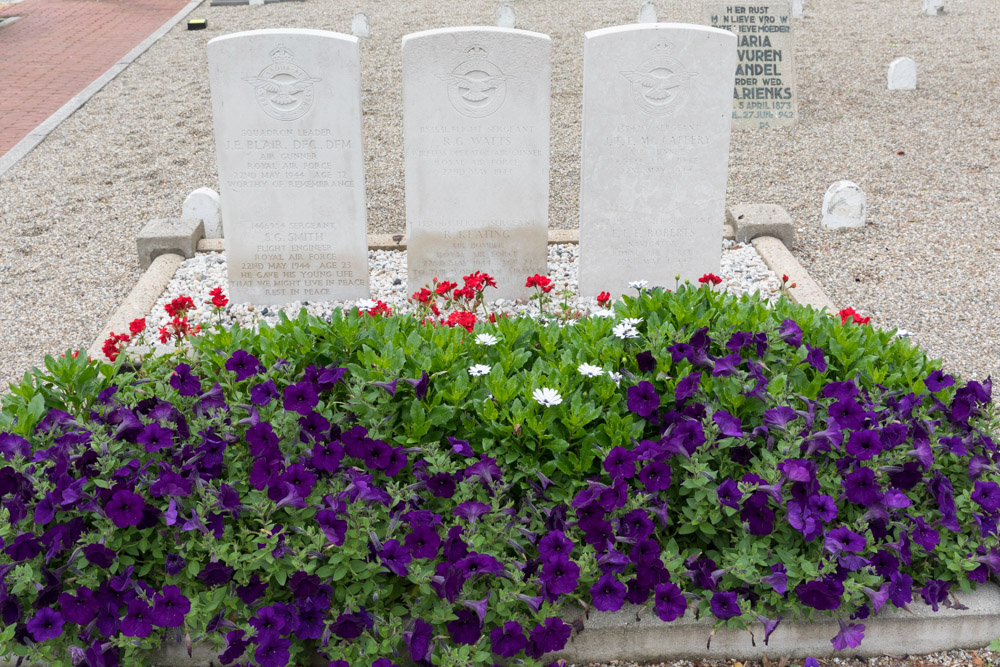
204, 204
902, 74
844, 206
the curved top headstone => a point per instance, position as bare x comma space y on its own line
657, 105
286, 105
476, 135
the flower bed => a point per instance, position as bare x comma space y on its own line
376, 489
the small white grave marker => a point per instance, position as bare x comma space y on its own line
359, 25
204, 204
505, 16
647, 13
933, 7
797, 8
844, 205
902, 74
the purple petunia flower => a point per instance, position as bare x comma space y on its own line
423, 542
272, 651
729, 426
777, 580
300, 397
263, 393
420, 385
815, 358
555, 545
729, 494
155, 437
460, 447
471, 510
351, 625
509, 640
864, 444
727, 365
822, 594
560, 575
608, 594
757, 515
725, 605
842, 538
466, 629
173, 564
395, 557
418, 640
47, 623
850, 636
987, 496
655, 476
547, 637
779, 417
669, 602
125, 508
790, 332
643, 399
235, 647
938, 380
645, 362
170, 606
441, 485
687, 387
138, 620
861, 488
186, 383
216, 574
99, 555
244, 364
620, 463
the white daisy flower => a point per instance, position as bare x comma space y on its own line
367, 304
588, 370
632, 321
486, 339
547, 397
623, 330
638, 284
617, 377
479, 369
603, 312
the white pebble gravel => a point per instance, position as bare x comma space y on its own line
743, 271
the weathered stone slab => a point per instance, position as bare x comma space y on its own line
506, 18
844, 206
657, 105
933, 7
476, 128
163, 236
359, 25
902, 74
287, 111
764, 91
647, 13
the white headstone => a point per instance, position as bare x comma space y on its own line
764, 91
287, 111
797, 8
657, 106
505, 16
902, 74
476, 130
204, 204
844, 205
647, 13
359, 25
256, 2
933, 7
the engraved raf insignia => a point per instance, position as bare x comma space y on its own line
658, 83
476, 87
283, 90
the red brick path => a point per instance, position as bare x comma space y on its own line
59, 47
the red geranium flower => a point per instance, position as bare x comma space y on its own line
851, 314
603, 299
114, 345
444, 287
137, 326
541, 282
462, 318
710, 278
179, 306
218, 300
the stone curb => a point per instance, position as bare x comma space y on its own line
398, 241
636, 635
139, 301
36, 136
779, 259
